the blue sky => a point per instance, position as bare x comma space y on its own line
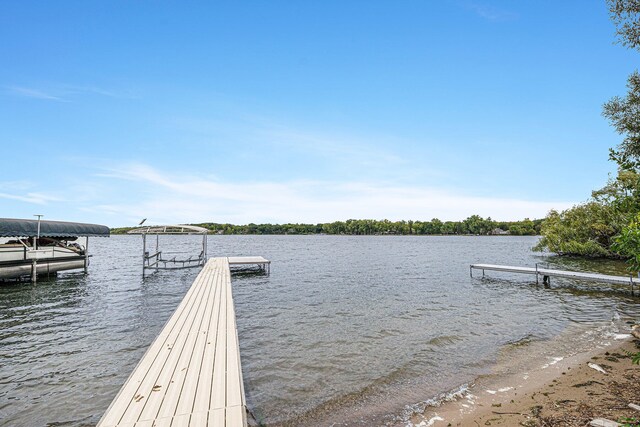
304, 111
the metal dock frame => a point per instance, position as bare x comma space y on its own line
547, 273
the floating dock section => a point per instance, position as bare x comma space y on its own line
191, 374
262, 263
547, 273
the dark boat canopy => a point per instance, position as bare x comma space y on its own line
10, 227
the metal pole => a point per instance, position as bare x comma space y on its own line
144, 252
35, 246
34, 271
204, 245
86, 256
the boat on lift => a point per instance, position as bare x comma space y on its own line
29, 248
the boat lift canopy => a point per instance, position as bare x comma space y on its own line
160, 261
11, 227
169, 229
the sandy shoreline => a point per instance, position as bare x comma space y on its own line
563, 391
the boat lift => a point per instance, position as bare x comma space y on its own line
25, 256
158, 260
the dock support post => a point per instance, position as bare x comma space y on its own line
144, 252
546, 280
86, 256
537, 282
471, 272
34, 271
631, 280
483, 272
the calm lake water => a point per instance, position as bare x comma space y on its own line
345, 330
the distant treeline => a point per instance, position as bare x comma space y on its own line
472, 225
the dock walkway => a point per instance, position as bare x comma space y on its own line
191, 373
546, 273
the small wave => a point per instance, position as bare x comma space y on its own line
444, 340
621, 336
553, 361
522, 341
420, 407
431, 421
500, 390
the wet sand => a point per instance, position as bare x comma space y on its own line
560, 392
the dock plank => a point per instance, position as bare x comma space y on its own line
203, 392
234, 374
216, 417
191, 374
236, 415
151, 390
166, 378
187, 395
178, 369
218, 389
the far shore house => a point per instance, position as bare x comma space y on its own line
498, 232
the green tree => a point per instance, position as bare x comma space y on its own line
522, 228
622, 113
625, 14
624, 116
585, 230
627, 243
436, 226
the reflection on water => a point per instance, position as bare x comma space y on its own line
345, 329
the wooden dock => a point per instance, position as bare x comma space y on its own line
547, 273
191, 373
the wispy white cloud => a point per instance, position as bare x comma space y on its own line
35, 198
95, 90
331, 145
491, 13
16, 185
176, 197
326, 151
64, 92
23, 191
34, 93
